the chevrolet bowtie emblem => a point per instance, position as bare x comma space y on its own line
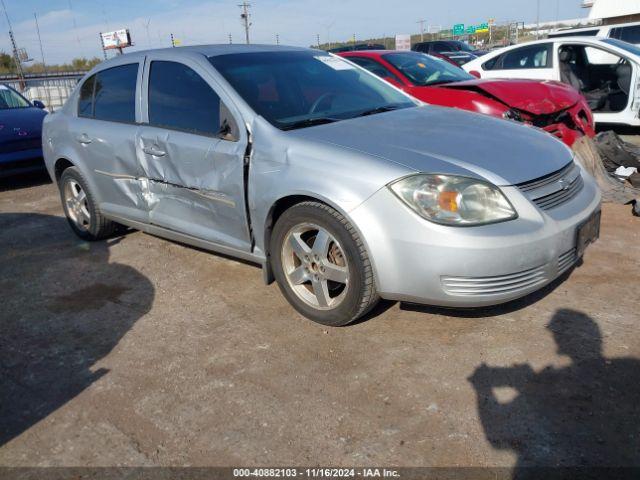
564, 184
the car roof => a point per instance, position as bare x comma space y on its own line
211, 50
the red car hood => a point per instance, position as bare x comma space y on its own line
532, 96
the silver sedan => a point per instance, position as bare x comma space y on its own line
343, 188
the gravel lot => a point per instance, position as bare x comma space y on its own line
140, 351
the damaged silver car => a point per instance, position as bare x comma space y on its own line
341, 186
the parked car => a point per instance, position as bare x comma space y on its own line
342, 187
447, 47
358, 47
605, 71
20, 133
552, 106
627, 32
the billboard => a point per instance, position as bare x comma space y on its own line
403, 42
117, 39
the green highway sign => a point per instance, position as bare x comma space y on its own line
458, 29
471, 29
483, 27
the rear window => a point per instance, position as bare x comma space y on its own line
115, 94
534, 56
110, 95
85, 103
627, 34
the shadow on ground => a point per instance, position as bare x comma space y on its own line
65, 306
26, 180
584, 415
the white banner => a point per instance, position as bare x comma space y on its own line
117, 39
403, 42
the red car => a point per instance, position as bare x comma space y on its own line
553, 106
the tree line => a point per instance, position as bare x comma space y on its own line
8, 65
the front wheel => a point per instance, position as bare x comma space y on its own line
321, 265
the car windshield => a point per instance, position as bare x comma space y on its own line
629, 47
10, 99
424, 70
298, 89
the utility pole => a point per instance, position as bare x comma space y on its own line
277, 39
16, 57
538, 20
421, 22
244, 16
173, 43
318, 40
230, 40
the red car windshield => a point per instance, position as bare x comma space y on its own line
423, 70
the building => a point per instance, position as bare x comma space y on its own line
613, 11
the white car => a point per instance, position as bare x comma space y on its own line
605, 70
627, 32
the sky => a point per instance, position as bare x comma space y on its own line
70, 28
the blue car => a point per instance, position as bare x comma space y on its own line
20, 133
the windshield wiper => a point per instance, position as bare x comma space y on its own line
309, 122
382, 109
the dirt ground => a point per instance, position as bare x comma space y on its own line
140, 351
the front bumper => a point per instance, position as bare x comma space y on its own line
418, 261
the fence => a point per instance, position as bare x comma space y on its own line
52, 89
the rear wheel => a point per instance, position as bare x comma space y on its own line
321, 264
80, 208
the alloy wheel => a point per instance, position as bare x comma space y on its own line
75, 199
315, 266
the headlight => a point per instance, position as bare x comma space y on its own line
452, 200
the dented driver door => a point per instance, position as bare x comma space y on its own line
192, 156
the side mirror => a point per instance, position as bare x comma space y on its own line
38, 104
225, 132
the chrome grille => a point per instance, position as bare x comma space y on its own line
478, 286
554, 189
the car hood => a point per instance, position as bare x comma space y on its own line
535, 97
450, 141
21, 122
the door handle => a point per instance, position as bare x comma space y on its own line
84, 139
154, 151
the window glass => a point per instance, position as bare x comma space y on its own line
535, 56
628, 34
424, 70
180, 99
85, 102
115, 94
374, 67
300, 89
10, 99
596, 56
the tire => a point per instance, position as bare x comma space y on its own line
83, 213
321, 265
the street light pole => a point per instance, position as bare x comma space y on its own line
421, 22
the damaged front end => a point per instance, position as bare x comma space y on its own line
568, 125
